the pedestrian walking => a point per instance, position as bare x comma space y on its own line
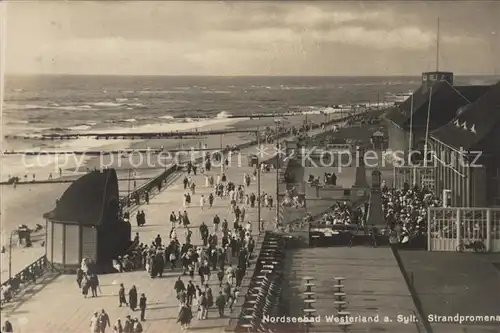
118, 328
220, 302
94, 284
128, 327
132, 298
94, 323
103, 320
185, 316
137, 328
121, 295
142, 306
202, 202
7, 327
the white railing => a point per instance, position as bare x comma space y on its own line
453, 228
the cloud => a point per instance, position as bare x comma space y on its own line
242, 37
310, 17
409, 38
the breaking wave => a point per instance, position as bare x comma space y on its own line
223, 114
107, 104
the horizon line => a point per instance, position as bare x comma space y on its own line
236, 75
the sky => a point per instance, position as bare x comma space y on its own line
352, 38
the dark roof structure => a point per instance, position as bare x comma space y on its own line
445, 100
86, 200
473, 123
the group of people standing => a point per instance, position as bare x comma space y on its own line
405, 210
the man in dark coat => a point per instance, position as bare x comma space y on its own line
220, 302
191, 291
173, 219
128, 325
204, 233
103, 319
121, 295
239, 274
185, 316
142, 306
158, 241
179, 285
132, 298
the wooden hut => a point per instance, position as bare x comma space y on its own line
86, 223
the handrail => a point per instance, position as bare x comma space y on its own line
127, 201
25, 277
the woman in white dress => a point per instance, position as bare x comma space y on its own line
202, 202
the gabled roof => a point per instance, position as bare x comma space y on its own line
85, 200
445, 101
472, 93
474, 123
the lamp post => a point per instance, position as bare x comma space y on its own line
222, 160
278, 153
128, 196
10, 254
258, 184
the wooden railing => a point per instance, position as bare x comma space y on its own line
130, 200
28, 276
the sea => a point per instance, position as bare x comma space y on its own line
75, 103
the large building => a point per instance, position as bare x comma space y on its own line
433, 105
468, 153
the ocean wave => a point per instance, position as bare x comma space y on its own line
216, 92
158, 92
130, 120
297, 88
166, 117
18, 122
107, 104
223, 114
121, 99
73, 108
57, 129
82, 127
51, 106
137, 105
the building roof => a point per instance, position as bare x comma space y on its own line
445, 100
85, 201
473, 123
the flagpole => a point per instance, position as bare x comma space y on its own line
427, 127
411, 126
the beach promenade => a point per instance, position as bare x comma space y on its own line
60, 307
27, 203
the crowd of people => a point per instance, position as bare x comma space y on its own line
292, 199
222, 256
405, 210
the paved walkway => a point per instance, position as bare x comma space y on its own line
451, 283
373, 284
59, 306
